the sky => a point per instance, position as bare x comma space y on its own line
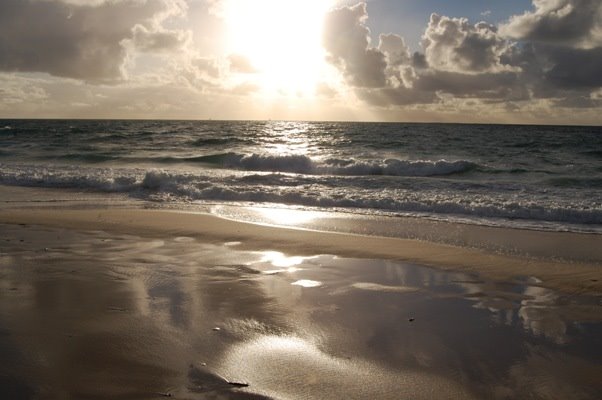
481, 61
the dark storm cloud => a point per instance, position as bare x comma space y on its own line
82, 40
558, 57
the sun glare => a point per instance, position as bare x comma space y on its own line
282, 41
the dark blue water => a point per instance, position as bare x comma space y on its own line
541, 177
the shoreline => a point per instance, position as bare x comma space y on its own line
567, 246
566, 276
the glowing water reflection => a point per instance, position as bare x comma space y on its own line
286, 216
308, 283
278, 259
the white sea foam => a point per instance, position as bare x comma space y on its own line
411, 196
305, 165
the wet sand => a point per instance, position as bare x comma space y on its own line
139, 304
566, 275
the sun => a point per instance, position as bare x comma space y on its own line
281, 39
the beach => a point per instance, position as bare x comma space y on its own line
300, 200
106, 301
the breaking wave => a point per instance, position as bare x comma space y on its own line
298, 164
305, 165
326, 192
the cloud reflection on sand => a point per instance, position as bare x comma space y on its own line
540, 311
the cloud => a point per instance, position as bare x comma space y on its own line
201, 74
241, 64
397, 96
17, 90
159, 40
486, 85
395, 49
206, 66
459, 58
452, 44
244, 89
347, 40
561, 47
576, 23
543, 61
87, 40
573, 68
515, 64
325, 90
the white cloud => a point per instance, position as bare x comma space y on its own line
347, 39
576, 23
468, 61
453, 44
395, 49
542, 62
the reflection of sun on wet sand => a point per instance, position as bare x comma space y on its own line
290, 367
143, 304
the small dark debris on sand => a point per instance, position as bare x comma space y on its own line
237, 384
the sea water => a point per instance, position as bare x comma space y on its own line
537, 177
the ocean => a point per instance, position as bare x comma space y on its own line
534, 177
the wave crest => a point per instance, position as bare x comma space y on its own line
323, 191
346, 167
